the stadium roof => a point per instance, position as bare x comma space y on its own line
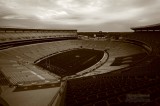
29, 29
148, 27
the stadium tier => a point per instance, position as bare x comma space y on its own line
18, 34
17, 62
91, 72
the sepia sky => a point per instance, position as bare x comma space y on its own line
84, 15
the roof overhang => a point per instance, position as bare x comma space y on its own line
148, 27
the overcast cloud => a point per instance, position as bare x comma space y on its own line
84, 15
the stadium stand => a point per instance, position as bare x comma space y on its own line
129, 76
113, 88
137, 85
19, 34
18, 63
23, 57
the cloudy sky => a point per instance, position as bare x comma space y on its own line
84, 15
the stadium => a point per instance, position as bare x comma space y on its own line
47, 67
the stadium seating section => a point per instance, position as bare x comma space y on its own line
137, 84
19, 36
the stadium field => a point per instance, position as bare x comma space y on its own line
70, 62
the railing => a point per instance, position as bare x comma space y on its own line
58, 99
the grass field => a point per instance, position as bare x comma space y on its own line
71, 62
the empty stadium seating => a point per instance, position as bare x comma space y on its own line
112, 88
150, 38
109, 85
13, 35
20, 59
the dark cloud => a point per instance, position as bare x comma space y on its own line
85, 15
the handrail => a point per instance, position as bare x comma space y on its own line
59, 93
